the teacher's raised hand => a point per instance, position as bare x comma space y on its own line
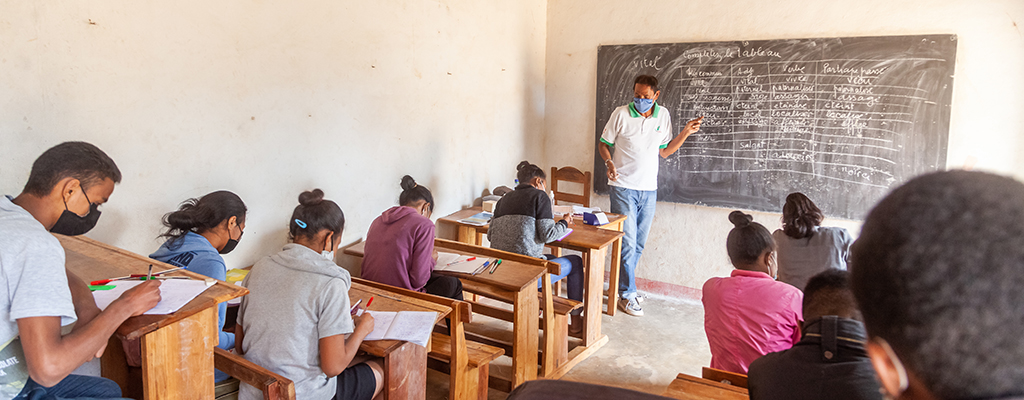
692, 126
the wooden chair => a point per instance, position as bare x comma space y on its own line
568, 174
686, 387
726, 377
273, 386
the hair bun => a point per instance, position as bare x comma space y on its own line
740, 220
522, 165
311, 198
408, 183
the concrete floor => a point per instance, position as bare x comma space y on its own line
643, 353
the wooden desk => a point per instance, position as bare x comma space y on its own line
688, 387
512, 282
405, 363
177, 349
473, 234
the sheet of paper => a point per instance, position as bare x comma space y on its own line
444, 258
561, 210
567, 233
174, 294
579, 210
412, 326
463, 266
381, 322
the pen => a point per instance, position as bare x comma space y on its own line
369, 302
355, 307
466, 260
495, 266
150, 275
106, 281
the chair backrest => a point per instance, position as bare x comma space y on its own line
570, 174
726, 377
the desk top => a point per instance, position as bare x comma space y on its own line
384, 300
583, 237
694, 388
454, 217
92, 260
510, 275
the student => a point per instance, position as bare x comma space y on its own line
38, 295
937, 272
749, 314
400, 246
523, 223
639, 133
830, 361
197, 234
805, 247
296, 316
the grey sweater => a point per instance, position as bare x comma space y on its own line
523, 223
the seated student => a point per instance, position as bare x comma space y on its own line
937, 272
197, 234
296, 316
830, 361
749, 314
38, 295
400, 246
806, 248
523, 223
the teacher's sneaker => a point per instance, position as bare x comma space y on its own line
631, 307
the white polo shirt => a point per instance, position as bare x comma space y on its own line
637, 141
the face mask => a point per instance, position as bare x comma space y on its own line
230, 245
329, 255
72, 224
642, 105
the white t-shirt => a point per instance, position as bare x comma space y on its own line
637, 140
35, 284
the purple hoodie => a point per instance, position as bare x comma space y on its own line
399, 249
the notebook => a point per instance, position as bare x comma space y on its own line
411, 326
478, 219
174, 294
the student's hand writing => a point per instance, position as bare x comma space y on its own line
141, 298
692, 126
364, 323
567, 218
613, 174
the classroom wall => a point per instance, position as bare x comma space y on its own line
687, 244
268, 99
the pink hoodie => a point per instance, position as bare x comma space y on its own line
399, 249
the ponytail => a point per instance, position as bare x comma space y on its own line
202, 214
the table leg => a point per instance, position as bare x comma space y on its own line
613, 276
177, 360
593, 275
405, 373
467, 234
524, 331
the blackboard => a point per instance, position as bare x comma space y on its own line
842, 120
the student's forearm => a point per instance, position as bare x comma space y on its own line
81, 297
51, 357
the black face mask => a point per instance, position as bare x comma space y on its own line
72, 224
230, 245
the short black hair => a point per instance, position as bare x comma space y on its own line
79, 160
938, 272
829, 293
525, 172
648, 80
747, 240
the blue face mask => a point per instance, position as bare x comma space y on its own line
642, 105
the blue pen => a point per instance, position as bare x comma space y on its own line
482, 268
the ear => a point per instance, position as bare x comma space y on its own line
537, 182
233, 221
66, 187
885, 368
656, 94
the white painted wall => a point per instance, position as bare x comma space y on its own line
268, 99
687, 244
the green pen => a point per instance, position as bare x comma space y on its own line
496, 264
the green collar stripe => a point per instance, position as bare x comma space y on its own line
633, 113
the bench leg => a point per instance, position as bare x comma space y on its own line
482, 376
405, 373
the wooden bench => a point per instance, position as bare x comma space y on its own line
726, 377
686, 387
273, 386
469, 378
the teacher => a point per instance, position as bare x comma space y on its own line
638, 132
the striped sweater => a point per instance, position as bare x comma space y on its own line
523, 223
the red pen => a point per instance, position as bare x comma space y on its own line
106, 281
368, 303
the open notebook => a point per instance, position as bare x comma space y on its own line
174, 294
411, 326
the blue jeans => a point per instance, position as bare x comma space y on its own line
572, 267
72, 387
638, 207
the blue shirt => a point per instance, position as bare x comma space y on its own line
194, 253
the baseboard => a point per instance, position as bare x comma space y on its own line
665, 289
